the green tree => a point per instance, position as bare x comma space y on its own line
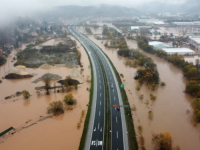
69, 99
196, 107
2, 60
56, 108
193, 88
26, 94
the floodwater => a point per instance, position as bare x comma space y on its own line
171, 110
52, 133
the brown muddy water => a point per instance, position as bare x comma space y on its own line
53, 133
171, 110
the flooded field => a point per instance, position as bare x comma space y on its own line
171, 110
51, 133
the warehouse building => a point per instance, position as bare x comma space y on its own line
159, 45
195, 42
170, 49
179, 51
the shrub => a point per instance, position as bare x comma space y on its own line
140, 129
56, 108
150, 114
26, 94
153, 97
141, 138
69, 99
133, 108
162, 83
162, 141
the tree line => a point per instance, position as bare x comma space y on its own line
149, 74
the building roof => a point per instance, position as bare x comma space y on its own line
159, 22
135, 28
159, 45
196, 39
187, 23
178, 50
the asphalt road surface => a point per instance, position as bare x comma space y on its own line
118, 131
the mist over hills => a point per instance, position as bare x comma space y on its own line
101, 10
189, 6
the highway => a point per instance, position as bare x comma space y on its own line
118, 131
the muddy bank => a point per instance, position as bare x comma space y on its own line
54, 133
171, 111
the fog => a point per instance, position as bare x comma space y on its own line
10, 9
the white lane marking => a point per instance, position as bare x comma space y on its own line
100, 94
99, 76
100, 102
116, 119
101, 130
117, 134
99, 113
100, 86
95, 129
114, 98
98, 126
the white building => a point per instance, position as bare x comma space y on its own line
195, 41
195, 23
159, 45
179, 51
170, 49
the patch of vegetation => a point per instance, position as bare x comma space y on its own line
196, 107
153, 97
2, 60
60, 54
110, 33
150, 114
163, 84
69, 99
26, 94
162, 141
88, 30
81, 119
121, 75
56, 108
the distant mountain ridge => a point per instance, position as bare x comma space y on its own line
101, 10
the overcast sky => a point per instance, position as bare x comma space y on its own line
19, 7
